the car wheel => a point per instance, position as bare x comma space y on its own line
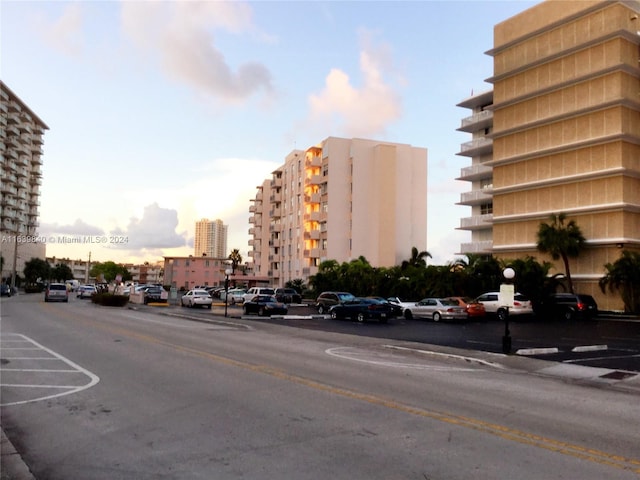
334, 315
569, 314
232, 301
261, 312
361, 317
502, 314
209, 306
437, 317
408, 315
244, 310
321, 309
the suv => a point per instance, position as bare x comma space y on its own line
253, 291
329, 299
56, 292
288, 295
521, 305
569, 306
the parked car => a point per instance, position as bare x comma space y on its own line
265, 305
521, 305
328, 299
56, 292
395, 306
288, 295
474, 309
85, 291
362, 309
569, 306
5, 290
154, 294
235, 295
196, 298
253, 291
435, 309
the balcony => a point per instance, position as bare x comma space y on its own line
313, 180
479, 146
276, 182
477, 121
274, 242
275, 197
312, 216
312, 198
475, 197
313, 161
477, 222
486, 246
275, 212
475, 172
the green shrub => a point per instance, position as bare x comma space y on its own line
109, 299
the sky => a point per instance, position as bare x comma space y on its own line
161, 113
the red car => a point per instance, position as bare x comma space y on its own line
474, 309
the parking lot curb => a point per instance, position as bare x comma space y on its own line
12, 467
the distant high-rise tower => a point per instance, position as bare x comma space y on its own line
211, 238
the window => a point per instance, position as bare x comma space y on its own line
486, 208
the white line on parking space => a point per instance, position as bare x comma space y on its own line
68, 389
589, 348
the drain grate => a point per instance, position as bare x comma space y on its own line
618, 375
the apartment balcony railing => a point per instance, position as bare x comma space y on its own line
475, 197
484, 246
475, 172
274, 242
275, 212
313, 180
478, 146
312, 235
275, 197
312, 216
313, 161
276, 182
476, 222
477, 121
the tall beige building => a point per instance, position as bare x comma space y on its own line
339, 200
21, 139
566, 131
211, 238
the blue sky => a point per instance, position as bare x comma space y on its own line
162, 113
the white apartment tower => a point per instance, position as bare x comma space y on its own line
480, 148
211, 238
339, 200
21, 139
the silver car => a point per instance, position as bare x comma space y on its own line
196, 298
435, 309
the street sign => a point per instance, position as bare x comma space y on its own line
505, 297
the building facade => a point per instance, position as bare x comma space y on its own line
566, 131
339, 200
211, 238
21, 140
480, 174
187, 272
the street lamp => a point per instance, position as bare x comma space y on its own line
506, 299
227, 272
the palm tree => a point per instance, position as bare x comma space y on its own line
236, 259
561, 240
623, 275
417, 259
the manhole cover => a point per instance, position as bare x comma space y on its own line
618, 375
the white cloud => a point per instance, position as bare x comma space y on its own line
156, 230
180, 34
65, 33
79, 228
364, 111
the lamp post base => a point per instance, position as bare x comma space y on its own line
506, 344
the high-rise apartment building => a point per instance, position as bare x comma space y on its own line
339, 200
566, 131
480, 148
211, 238
21, 139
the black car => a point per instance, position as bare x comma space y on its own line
569, 306
398, 310
362, 309
264, 305
288, 295
327, 300
5, 290
153, 295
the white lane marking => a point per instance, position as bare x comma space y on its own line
447, 355
365, 356
68, 389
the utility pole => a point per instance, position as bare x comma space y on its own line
86, 270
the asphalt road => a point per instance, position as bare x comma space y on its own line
98, 393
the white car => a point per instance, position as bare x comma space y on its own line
521, 305
435, 309
196, 298
85, 291
235, 295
